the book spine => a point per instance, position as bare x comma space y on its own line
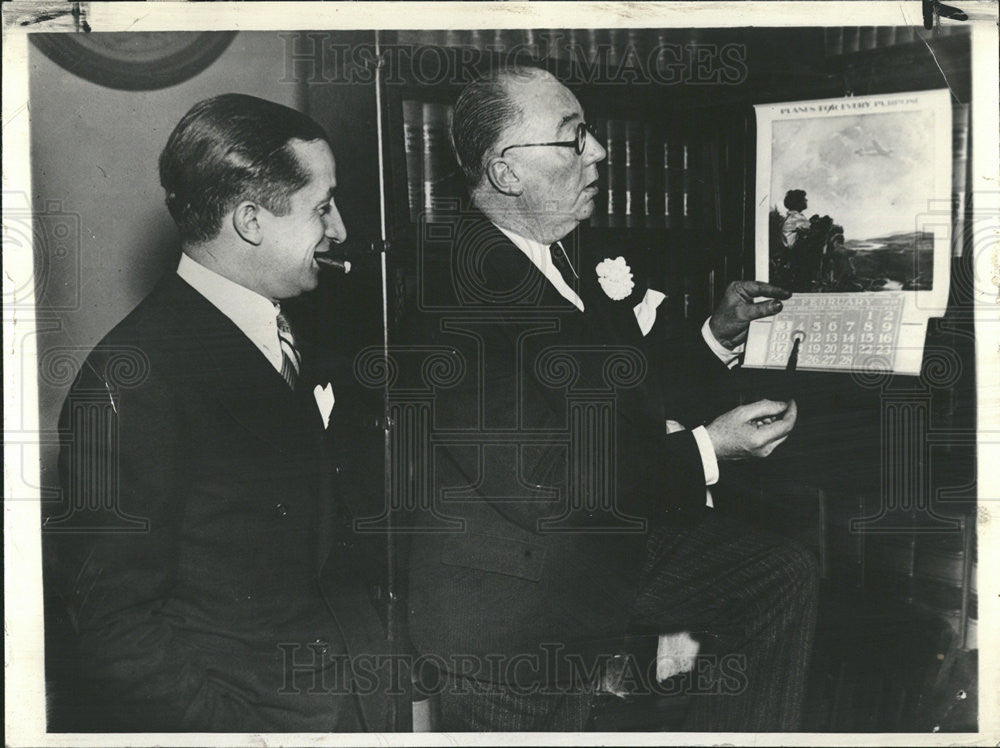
851, 39
571, 38
506, 39
635, 53
634, 187
616, 46
685, 182
833, 41
653, 167
885, 36
530, 40
668, 180
697, 293
573, 46
413, 143
866, 38
592, 49
616, 173
411, 37
477, 39
552, 43
435, 128
600, 215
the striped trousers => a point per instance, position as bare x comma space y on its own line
748, 597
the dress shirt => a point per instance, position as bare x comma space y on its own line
255, 315
539, 255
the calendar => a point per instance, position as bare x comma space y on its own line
854, 218
848, 332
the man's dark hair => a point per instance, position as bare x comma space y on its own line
795, 200
483, 111
229, 148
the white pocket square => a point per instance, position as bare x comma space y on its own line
324, 401
645, 310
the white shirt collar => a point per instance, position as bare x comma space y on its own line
539, 255
254, 314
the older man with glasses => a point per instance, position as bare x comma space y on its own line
581, 500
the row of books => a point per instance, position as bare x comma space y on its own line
845, 40
633, 46
645, 179
432, 173
615, 46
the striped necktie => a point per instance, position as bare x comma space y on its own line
290, 358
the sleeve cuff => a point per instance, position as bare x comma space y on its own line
729, 357
708, 462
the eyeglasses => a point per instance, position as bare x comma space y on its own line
578, 143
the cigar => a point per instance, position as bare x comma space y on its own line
329, 262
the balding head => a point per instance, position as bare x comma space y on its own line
484, 110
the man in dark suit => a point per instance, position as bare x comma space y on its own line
571, 502
202, 551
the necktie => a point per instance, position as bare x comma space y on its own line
562, 264
290, 359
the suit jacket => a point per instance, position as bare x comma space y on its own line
550, 457
202, 499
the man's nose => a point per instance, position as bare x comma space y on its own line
335, 229
594, 152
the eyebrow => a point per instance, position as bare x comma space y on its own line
329, 194
567, 119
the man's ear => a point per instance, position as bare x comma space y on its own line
246, 222
503, 178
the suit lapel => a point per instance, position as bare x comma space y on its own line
242, 380
506, 267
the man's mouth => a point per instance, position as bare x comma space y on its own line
591, 189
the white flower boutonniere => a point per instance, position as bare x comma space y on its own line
615, 277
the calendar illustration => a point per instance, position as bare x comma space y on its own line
853, 218
831, 332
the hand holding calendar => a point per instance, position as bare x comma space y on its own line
737, 310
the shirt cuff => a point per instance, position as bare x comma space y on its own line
708, 462
729, 357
